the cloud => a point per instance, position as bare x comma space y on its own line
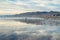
28, 5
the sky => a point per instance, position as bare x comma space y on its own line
21, 6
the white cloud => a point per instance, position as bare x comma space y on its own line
28, 5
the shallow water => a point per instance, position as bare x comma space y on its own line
21, 27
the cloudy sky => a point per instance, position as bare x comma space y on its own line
21, 6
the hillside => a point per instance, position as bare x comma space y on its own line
36, 14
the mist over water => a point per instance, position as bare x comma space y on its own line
29, 29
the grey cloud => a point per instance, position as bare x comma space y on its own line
29, 5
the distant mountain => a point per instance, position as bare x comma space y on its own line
36, 14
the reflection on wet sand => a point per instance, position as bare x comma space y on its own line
28, 29
40, 22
